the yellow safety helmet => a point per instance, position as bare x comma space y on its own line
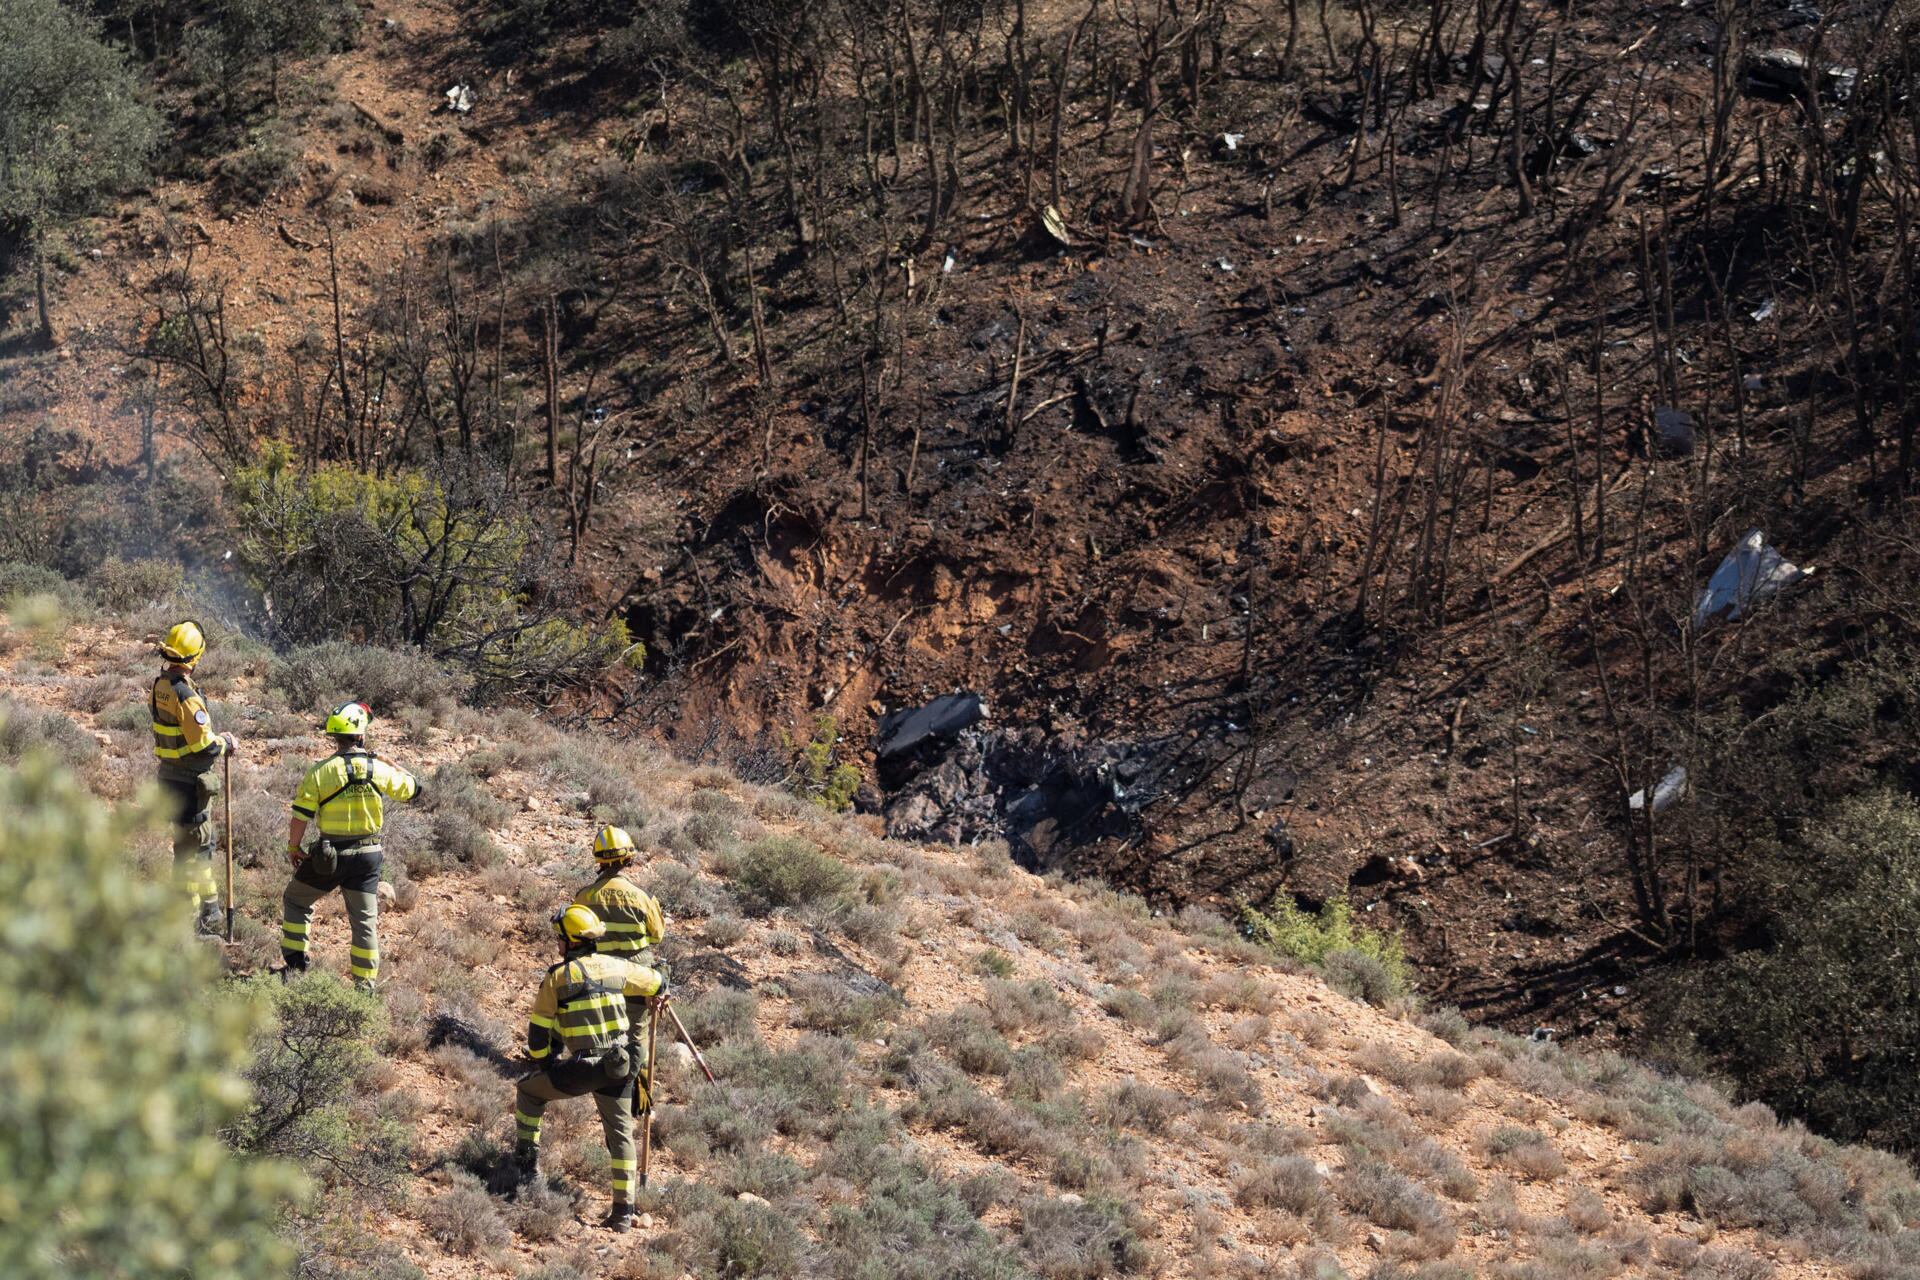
184, 643
350, 719
613, 844
578, 924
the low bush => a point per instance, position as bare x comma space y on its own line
830, 1004
684, 894
126, 585
1292, 1183
1024, 1006
740, 1239
318, 677
1076, 1239
465, 1218
911, 1225
1526, 1152
787, 871
1387, 1199
1135, 1105
314, 1061
1372, 961
971, 1042
25, 727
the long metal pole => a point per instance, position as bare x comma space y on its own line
646, 1131
681, 1027
226, 804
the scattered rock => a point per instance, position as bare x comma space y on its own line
679, 1055
747, 1197
533, 804
1068, 1197
385, 892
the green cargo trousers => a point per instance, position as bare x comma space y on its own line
357, 876
190, 809
614, 1094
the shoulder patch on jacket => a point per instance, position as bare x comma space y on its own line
200, 717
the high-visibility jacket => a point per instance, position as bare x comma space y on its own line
632, 915
342, 793
183, 736
583, 1004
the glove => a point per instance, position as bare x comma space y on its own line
295, 853
660, 997
232, 743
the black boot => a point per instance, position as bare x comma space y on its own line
526, 1168
620, 1219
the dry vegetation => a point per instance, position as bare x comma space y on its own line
934, 1064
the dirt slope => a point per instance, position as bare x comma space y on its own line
1241, 1062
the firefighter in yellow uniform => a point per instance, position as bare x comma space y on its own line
582, 1010
632, 916
342, 797
187, 749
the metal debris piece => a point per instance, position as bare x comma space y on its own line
1665, 792
1751, 572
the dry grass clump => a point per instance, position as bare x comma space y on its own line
1135, 1105
971, 1042
1293, 1184
464, 1218
1371, 1127
1388, 1199
825, 1003
1527, 1152
1442, 1106
1077, 1239
1223, 1073
1025, 1006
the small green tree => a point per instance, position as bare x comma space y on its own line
817, 775
241, 38
1821, 1019
73, 126
117, 1069
310, 1065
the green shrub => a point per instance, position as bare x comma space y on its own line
971, 1042
264, 162
310, 1064
118, 1067
126, 585
448, 560
817, 775
18, 578
1821, 1022
1318, 938
788, 871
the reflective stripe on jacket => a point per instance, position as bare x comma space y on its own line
181, 726
343, 793
583, 1004
632, 915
